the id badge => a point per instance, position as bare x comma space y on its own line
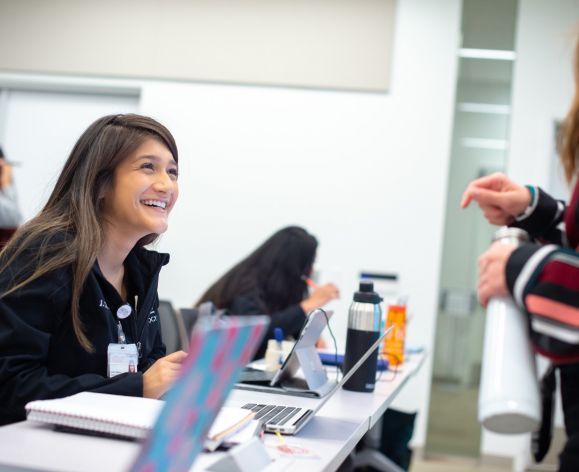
122, 358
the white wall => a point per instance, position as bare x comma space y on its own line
542, 92
366, 173
543, 84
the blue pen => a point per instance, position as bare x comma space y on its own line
278, 336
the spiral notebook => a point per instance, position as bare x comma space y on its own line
123, 417
99, 413
175, 429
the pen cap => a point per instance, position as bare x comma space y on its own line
278, 334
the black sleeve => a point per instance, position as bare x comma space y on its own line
544, 221
159, 350
29, 318
290, 320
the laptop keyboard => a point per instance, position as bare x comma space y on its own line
272, 415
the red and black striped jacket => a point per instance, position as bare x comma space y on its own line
543, 276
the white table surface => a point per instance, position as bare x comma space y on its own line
329, 437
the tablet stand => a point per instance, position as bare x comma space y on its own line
313, 369
247, 457
304, 355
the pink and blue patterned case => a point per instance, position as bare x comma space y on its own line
219, 348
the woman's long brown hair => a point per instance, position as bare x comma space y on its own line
68, 230
569, 142
273, 272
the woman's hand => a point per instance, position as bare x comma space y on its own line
159, 377
321, 343
492, 265
321, 295
500, 199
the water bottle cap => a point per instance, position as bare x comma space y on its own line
366, 294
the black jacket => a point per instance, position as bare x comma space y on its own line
290, 320
40, 356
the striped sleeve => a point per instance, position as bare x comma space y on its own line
544, 219
544, 280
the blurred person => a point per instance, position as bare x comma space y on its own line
10, 216
274, 280
541, 276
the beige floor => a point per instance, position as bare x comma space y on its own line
453, 428
454, 465
454, 434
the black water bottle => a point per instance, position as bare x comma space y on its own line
364, 322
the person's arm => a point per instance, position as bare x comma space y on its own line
159, 349
504, 202
290, 320
543, 218
160, 370
319, 296
544, 280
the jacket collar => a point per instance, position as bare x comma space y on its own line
143, 264
148, 261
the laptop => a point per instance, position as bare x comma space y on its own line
219, 348
289, 420
303, 355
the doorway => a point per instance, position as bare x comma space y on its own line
479, 147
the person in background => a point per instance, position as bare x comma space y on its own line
76, 280
10, 216
541, 276
273, 280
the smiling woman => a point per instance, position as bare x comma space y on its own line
79, 291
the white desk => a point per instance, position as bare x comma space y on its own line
330, 435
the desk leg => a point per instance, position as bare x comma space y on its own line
375, 459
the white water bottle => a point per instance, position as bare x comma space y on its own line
509, 400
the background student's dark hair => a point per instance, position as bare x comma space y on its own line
275, 270
68, 230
